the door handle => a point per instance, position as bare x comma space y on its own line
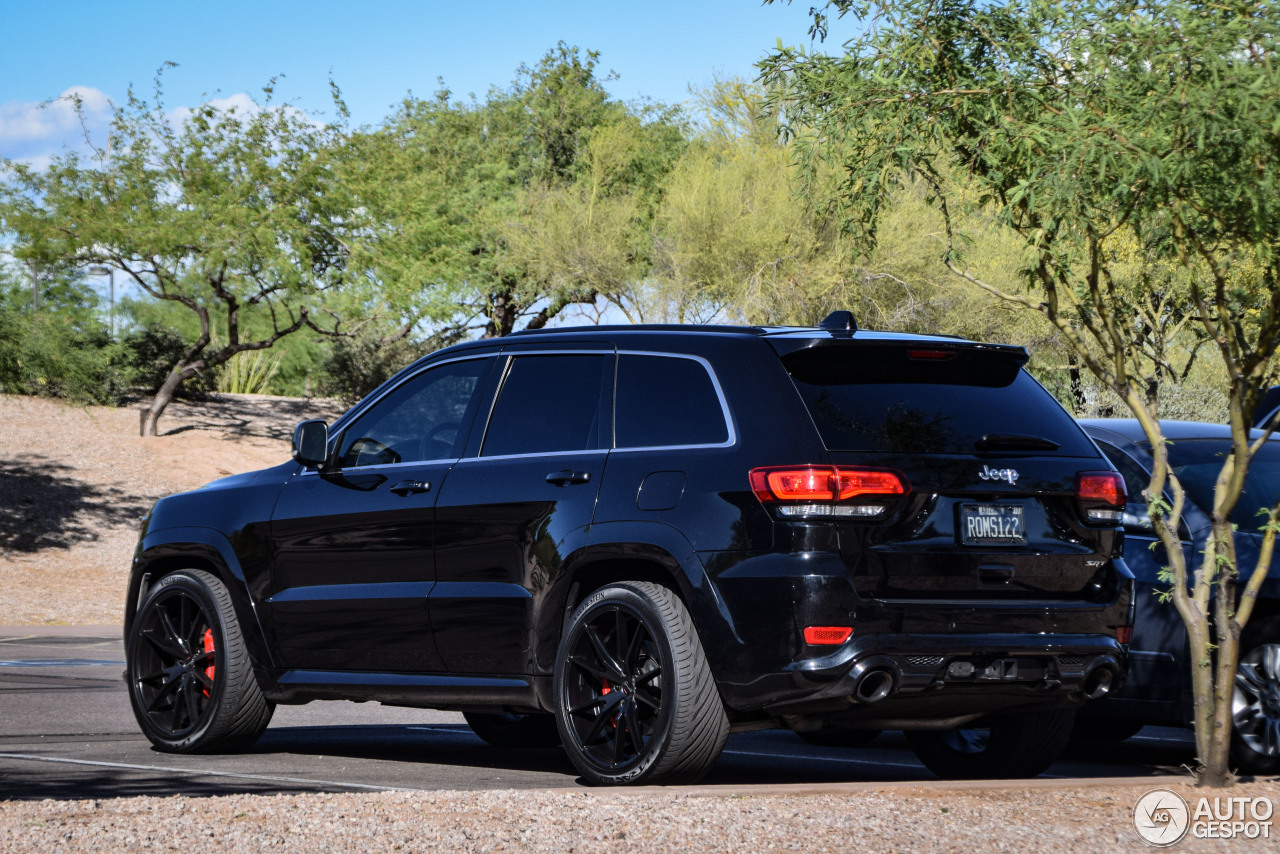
410, 487
567, 476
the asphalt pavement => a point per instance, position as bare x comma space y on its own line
66, 731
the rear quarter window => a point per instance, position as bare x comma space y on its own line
665, 401
882, 399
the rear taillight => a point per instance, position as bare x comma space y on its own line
827, 490
1101, 495
1124, 634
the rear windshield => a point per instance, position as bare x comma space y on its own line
903, 400
1197, 462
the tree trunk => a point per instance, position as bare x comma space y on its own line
161, 400
502, 316
1078, 398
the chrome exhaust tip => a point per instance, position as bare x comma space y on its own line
874, 685
1099, 682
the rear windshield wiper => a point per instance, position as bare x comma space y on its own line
1014, 442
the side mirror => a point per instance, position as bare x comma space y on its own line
311, 443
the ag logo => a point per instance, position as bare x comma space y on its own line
1161, 817
1008, 475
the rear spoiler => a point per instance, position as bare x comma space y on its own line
786, 345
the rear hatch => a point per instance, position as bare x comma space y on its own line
1004, 497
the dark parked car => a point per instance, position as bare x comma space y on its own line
635, 540
1159, 686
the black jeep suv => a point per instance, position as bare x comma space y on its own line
636, 540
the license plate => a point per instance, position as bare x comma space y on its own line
992, 525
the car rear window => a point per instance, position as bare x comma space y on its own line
1197, 463
915, 400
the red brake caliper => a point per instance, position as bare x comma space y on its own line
208, 648
605, 690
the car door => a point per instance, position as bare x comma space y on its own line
1157, 655
520, 500
354, 543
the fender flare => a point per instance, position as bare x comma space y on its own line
165, 550
657, 544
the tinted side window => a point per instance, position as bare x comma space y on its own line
419, 420
547, 404
663, 400
901, 400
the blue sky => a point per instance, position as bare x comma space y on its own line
376, 50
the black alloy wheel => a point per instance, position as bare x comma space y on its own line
191, 685
616, 703
636, 699
173, 671
1255, 703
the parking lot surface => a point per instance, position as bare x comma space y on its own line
66, 731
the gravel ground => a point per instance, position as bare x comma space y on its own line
76, 481
887, 819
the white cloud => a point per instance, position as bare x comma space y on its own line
33, 131
239, 103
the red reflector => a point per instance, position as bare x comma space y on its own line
823, 483
1124, 634
827, 635
1105, 486
931, 355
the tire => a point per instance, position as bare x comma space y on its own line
635, 699
1015, 746
191, 683
837, 737
514, 732
1105, 730
1255, 704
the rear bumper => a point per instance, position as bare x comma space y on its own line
938, 676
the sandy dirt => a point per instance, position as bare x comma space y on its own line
899, 819
76, 481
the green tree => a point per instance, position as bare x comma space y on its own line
1086, 126
234, 214
467, 203
52, 341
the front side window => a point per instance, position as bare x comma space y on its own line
548, 404
666, 401
421, 419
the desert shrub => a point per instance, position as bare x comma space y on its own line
356, 366
52, 356
1186, 401
146, 356
249, 372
